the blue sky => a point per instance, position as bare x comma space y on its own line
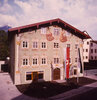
81, 14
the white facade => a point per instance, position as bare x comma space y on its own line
89, 50
1, 62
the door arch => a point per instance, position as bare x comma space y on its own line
56, 74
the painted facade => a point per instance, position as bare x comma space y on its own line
89, 50
37, 51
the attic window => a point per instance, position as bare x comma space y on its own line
43, 30
56, 31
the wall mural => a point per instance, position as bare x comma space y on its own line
49, 36
63, 37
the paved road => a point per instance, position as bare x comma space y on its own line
90, 95
8, 91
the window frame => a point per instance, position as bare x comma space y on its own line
76, 46
91, 50
43, 45
56, 45
86, 50
28, 73
76, 60
56, 31
43, 30
34, 45
56, 60
25, 44
26, 61
35, 61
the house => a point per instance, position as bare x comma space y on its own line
38, 51
1, 63
90, 53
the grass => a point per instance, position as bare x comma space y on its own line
48, 89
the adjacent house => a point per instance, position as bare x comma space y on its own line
38, 51
90, 53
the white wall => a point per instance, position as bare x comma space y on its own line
1, 62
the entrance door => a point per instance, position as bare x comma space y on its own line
35, 76
56, 74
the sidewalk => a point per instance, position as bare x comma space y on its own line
83, 89
9, 92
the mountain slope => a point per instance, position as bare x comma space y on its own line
5, 28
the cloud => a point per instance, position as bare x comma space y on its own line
79, 13
8, 20
5, 7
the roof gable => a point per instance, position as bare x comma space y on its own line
57, 21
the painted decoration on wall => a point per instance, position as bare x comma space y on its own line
63, 37
49, 36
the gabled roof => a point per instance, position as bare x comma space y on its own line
57, 21
94, 41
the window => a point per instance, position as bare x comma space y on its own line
75, 72
69, 60
43, 45
75, 59
91, 57
40, 75
87, 43
91, 50
25, 44
28, 76
35, 45
86, 57
56, 45
35, 61
56, 60
43, 61
83, 50
76, 46
43, 30
95, 57
91, 44
56, 31
95, 50
25, 61
86, 50
68, 45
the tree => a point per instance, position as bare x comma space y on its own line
4, 49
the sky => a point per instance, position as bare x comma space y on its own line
81, 14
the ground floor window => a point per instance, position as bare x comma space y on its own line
40, 76
35, 76
28, 76
75, 72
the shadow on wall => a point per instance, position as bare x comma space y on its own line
92, 64
5, 68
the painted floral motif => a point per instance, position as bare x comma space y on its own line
63, 37
49, 37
